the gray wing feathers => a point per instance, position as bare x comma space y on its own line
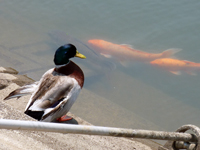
24, 90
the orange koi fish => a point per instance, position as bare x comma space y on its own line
176, 66
127, 53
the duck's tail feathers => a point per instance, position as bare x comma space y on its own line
170, 52
35, 114
24, 90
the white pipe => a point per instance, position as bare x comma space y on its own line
94, 130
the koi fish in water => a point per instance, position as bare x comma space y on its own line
176, 66
126, 52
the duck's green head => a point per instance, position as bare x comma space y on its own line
65, 52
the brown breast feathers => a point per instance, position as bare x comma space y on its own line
72, 70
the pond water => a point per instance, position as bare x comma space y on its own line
31, 31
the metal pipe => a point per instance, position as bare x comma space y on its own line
95, 130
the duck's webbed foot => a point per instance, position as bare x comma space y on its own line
64, 118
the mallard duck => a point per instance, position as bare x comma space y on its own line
55, 93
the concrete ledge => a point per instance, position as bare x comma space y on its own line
23, 140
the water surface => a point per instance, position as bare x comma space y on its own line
31, 31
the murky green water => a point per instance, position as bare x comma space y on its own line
30, 31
